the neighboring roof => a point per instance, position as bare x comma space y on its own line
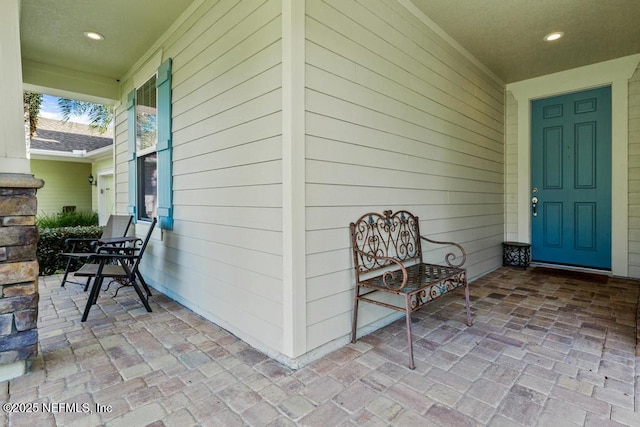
56, 135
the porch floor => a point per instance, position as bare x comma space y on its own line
547, 348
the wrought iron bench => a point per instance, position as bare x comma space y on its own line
388, 258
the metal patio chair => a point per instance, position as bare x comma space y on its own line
117, 226
118, 263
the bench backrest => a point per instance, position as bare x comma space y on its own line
392, 235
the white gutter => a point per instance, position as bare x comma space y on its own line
75, 156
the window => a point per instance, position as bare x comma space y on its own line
150, 174
148, 186
146, 116
146, 141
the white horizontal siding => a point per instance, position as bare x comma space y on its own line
248, 28
395, 119
223, 258
634, 175
254, 174
66, 185
360, 125
386, 29
222, 299
238, 115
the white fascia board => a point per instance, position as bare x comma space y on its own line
66, 156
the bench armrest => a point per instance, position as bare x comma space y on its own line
80, 239
113, 250
450, 256
388, 274
107, 256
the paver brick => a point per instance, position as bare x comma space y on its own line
384, 408
260, 414
141, 416
355, 397
447, 417
477, 410
327, 414
558, 410
322, 389
296, 407
522, 404
545, 349
587, 403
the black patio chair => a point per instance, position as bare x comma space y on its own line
118, 263
81, 249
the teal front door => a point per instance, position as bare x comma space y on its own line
570, 199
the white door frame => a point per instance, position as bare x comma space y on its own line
103, 191
616, 73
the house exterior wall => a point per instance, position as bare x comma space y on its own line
616, 73
65, 185
634, 175
511, 169
403, 121
396, 118
223, 258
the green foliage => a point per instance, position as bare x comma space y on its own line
100, 115
55, 228
67, 219
32, 102
52, 244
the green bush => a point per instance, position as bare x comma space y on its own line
52, 244
67, 219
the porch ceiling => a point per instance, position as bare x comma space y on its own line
51, 33
506, 36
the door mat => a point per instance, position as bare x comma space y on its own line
570, 274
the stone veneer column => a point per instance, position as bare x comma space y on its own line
18, 272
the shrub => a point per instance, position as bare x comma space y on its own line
67, 219
52, 244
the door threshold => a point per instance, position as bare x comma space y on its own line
572, 268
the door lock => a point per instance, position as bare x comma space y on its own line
534, 204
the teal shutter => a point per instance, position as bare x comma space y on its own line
131, 154
165, 172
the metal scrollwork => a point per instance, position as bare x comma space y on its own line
450, 256
418, 300
388, 240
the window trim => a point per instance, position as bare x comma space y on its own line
163, 150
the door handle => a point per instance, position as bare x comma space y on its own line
534, 205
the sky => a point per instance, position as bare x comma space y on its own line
49, 110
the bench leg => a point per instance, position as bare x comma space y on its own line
143, 299
66, 272
407, 306
144, 284
68, 266
354, 323
93, 297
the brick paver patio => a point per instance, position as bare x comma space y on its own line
546, 349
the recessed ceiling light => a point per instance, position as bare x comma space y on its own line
93, 35
553, 36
